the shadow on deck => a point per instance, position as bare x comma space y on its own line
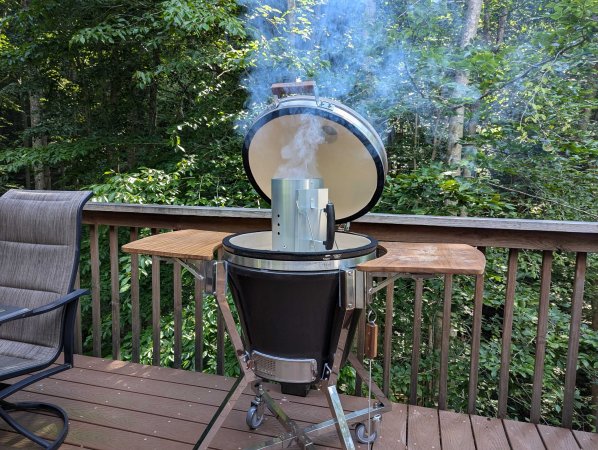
119, 405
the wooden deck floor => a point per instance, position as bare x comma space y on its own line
117, 405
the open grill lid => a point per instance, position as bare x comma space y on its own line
348, 155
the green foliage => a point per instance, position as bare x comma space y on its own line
435, 190
117, 83
194, 181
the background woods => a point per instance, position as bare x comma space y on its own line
488, 108
98, 86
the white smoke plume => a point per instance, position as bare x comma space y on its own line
300, 154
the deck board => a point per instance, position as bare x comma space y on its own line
587, 441
523, 436
394, 429
116, 405
557, 438
455, 431
423, 428
489, 433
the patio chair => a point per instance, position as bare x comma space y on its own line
40, 233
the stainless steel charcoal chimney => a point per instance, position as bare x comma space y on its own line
302, 216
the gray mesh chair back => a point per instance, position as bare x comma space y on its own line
39, 255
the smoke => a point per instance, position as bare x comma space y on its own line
300, 154
344, 45
357, 52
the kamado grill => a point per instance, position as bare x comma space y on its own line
296, 289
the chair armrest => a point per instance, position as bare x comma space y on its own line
62, 301
9, 312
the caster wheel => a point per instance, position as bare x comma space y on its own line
253, 420
361, 432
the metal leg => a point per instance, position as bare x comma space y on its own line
223, 411
247, 375
383, 404
303, 437
342, 427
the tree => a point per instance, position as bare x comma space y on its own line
113, 85
456, 121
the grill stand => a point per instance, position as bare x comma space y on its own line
353, 304
194, 250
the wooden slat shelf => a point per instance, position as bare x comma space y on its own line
116, 405
420, 258
183, 244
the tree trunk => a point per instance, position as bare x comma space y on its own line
469, 149
32, 118
291, 5
435, 137
37, 142
26, 140
153, 96
370, 9
470, 26
486, 23
502, 23
415, 141
455, 129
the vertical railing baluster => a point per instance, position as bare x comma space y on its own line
574, 332
360, 350
198, 294
444, 346
220, 345
155, 307
220, 335
415, 354
360, 339
476, 336
115, 292
388, 323
135, 311
156, 310
507, 331
78, 332
96, 318
541, 336
178, 314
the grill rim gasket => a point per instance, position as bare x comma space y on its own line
274, 255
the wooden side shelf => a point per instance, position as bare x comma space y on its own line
403, 257
182, 244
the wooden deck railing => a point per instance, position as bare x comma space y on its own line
515, 235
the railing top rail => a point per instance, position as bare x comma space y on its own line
370, 218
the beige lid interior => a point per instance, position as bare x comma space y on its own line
338, 157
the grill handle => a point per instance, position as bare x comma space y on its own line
330, 219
